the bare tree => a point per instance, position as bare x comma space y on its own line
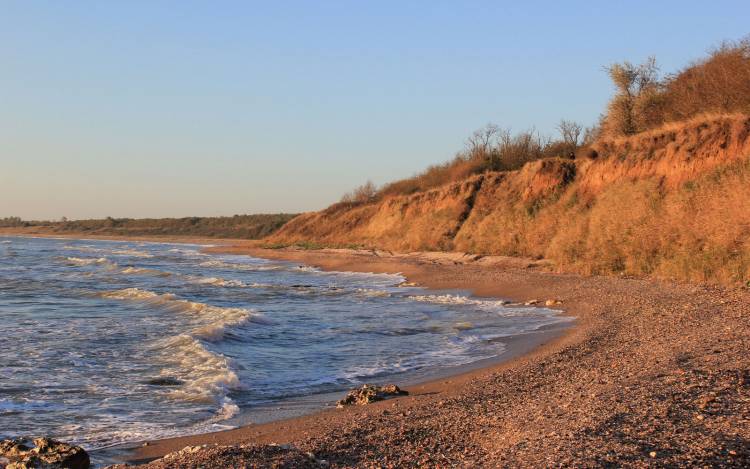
637, 85
482, 140
570, 132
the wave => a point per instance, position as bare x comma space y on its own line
84, 248
208, 376
132, 253
116, 252
144, 271
83, 261
217, 281
221, 318
373, 293
15, 406
460, 300
215, 263
190, 252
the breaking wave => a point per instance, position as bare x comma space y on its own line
83, 261
217, 281
208, 376
132, 253
145, 271
220, 318
238, 266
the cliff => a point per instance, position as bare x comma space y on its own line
671, 202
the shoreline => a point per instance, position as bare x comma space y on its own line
517, 345
651, 372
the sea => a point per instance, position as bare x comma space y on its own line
105, 343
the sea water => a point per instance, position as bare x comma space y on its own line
107, 342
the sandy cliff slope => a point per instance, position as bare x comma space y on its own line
671, 202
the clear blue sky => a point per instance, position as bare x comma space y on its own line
153, 108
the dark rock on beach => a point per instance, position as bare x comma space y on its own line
369, 393
45, 453
165, 381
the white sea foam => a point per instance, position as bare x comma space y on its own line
208, 376
219, 282
81, 261
10, 406
215, 263
131, 253
228, 410
190, 252
84, 248
460, 300
369, 292
220, 318
144, 271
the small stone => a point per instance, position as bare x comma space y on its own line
652, 454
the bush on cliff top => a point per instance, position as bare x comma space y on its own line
717, 84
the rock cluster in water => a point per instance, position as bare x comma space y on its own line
369, 393
46, 453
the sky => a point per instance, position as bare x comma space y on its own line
181, 108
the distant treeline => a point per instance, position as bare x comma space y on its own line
237, 226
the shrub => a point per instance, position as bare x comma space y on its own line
717, 84
367, 192
635, 106
490, 148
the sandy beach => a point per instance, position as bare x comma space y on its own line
652, 373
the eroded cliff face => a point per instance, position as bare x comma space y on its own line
424, 221
673, 202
